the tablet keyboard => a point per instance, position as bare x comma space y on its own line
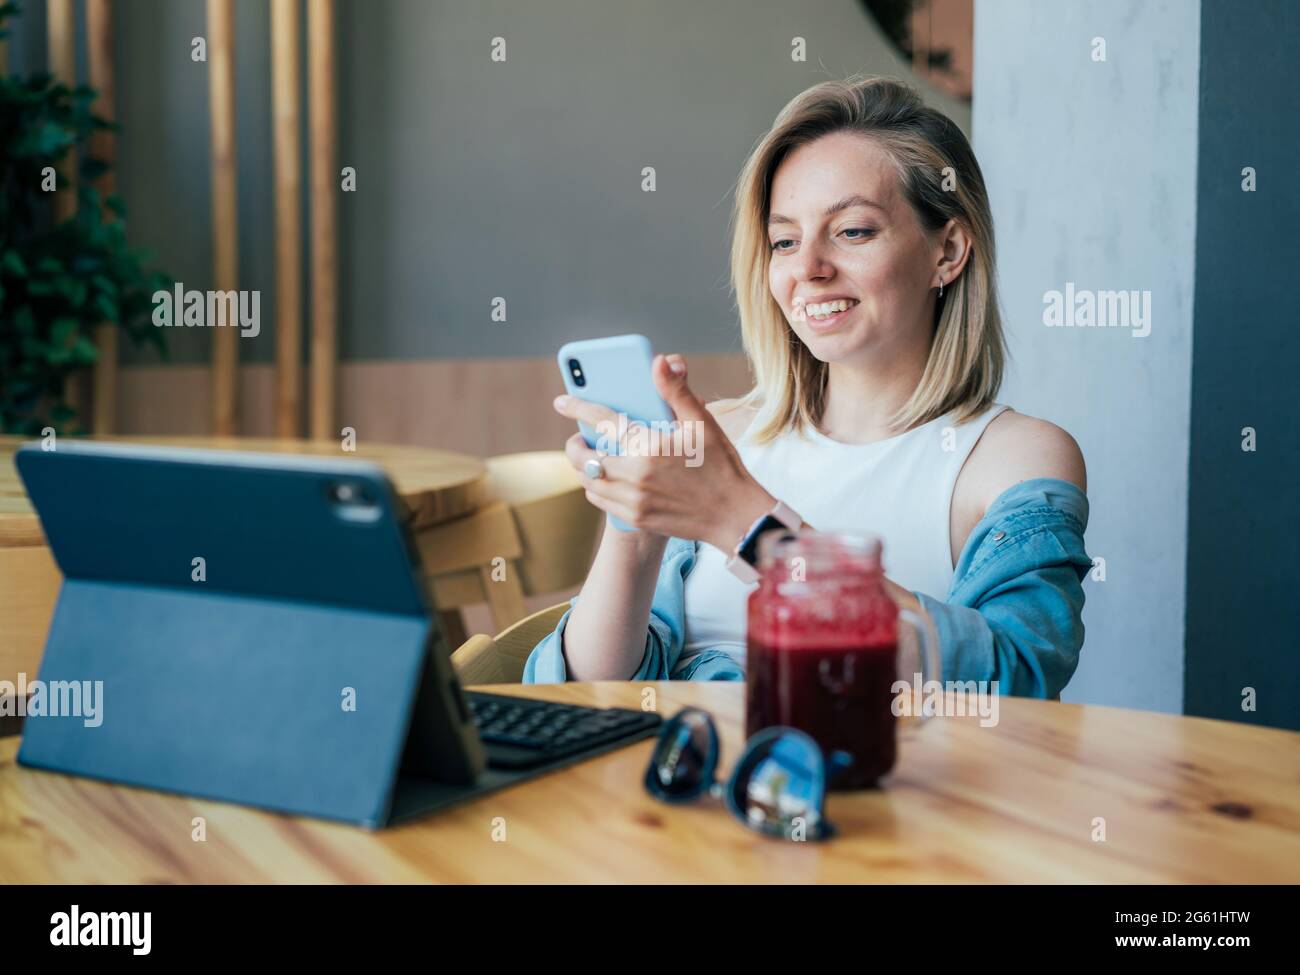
520, 733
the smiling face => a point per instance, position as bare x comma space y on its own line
851, 266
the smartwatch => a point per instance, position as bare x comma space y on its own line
744, 559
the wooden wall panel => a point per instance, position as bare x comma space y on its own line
478, 406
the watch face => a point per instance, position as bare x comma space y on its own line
749, 550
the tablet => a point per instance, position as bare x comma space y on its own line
257, 625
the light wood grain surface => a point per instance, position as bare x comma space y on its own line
1183, 800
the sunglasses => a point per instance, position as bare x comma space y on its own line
777, 788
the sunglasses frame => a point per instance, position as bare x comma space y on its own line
708, 785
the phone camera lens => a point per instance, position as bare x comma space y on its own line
575, 370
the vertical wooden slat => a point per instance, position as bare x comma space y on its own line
324, 217
286, 113
99, 50
225, 241
61, 37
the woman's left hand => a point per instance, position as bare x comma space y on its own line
685, 479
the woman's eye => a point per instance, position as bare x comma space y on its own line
864, 233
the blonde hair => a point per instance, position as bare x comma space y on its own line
964, 369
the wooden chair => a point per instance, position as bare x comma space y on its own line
536, 537
558, 527
483, 659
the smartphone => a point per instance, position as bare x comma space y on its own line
614, 372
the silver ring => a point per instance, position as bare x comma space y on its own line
594, 469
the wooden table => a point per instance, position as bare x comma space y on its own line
436, 485
1183, 800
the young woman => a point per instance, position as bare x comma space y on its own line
863, 264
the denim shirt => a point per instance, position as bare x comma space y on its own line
1012, 614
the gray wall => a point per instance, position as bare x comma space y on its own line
1242, 614
477, 179
1091, 171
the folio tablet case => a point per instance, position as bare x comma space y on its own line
260, 627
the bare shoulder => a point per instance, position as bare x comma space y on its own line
1016, 448
733, 419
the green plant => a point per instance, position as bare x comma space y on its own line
58, 280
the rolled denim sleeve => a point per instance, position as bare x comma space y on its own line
665, 632
1014, 613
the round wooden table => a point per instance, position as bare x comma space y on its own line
1053, 793
436, 486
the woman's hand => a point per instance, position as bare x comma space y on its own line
685, 479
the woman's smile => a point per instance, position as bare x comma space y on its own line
823, 316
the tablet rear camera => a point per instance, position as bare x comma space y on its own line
351, 501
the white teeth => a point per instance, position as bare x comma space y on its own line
821, 310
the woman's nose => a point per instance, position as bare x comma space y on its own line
812, 263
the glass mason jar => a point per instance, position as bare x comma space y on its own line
823, 648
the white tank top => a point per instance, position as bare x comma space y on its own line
899, 489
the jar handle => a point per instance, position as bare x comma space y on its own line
927, 637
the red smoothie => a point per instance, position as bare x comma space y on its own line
823, 657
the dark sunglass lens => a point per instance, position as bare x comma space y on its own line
681, 758
779, 788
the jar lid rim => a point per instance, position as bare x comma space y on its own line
862, 544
